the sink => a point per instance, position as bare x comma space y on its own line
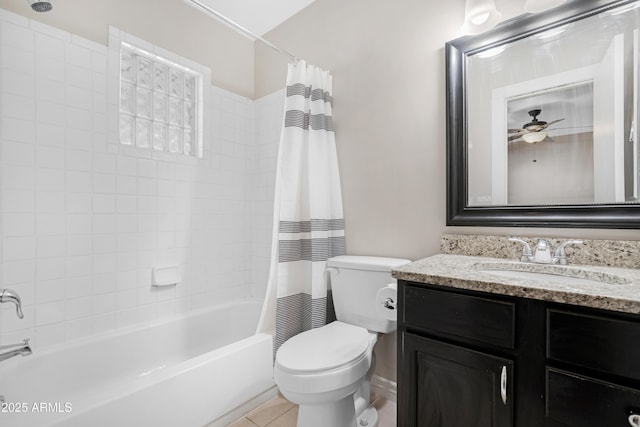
551, 273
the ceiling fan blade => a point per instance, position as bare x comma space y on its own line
550, 123
515, 130
514, 137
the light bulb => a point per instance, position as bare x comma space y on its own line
533, 137
479, 16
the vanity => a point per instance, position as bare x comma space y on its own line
542, 131
480, 347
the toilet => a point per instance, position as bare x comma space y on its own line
327, 370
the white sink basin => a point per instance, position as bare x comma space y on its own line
551, 273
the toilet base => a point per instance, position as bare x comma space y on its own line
368, 418
340, 413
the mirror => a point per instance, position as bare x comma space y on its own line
542, 117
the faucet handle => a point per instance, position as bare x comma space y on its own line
559, 255
527, 255
7, 295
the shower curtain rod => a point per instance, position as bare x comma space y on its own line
242, 29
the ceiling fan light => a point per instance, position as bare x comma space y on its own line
533, 137
537, 6
480, 16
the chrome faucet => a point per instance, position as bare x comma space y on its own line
23, 349
7, 295
542, 254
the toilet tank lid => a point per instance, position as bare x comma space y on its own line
369, 263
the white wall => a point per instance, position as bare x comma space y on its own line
84, 219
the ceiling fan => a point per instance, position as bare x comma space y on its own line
534, 131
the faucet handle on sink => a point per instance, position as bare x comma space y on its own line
527, 255
559, 256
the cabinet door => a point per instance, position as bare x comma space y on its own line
444, 385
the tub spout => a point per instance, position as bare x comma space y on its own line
11, 350
7, 295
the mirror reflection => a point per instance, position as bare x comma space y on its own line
552, 118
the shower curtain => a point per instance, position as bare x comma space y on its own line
308, 205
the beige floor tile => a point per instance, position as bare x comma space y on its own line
288, 419
243, 422
269, 411
386, 412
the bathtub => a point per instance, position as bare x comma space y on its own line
186, 371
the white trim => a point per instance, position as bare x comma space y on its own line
385, 388
244, 409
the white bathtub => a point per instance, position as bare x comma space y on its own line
187, 371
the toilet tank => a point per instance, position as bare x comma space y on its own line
355, 281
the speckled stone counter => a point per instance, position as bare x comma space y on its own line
471, 273
611, 253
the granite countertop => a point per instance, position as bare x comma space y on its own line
622, 293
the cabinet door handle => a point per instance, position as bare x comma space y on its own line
503, 385
634, 420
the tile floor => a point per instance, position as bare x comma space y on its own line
279, 412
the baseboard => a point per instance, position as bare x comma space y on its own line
244, 409
385, 388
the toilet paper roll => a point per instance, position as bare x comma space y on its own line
387, 301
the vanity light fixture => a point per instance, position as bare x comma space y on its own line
533, 137
479, 16
537, 6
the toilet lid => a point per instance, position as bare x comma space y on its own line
324, 348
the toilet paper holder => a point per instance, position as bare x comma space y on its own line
389, 303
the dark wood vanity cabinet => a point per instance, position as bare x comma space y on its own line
468, 358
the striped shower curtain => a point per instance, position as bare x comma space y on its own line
308, 204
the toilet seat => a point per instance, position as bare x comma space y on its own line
329, 347
324, 359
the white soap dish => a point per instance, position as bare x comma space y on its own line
165, 276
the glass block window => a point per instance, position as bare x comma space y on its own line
160, 103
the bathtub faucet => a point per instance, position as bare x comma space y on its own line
23, 349
7, 295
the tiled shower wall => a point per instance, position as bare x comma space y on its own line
269, 113
84, 220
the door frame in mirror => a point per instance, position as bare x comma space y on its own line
458, 212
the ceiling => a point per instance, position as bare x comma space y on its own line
258, 16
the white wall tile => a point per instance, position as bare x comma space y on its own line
50, 134
50, 112
84, 219
49, 69
48, 46
18, 130
17, 248
50, 179
16, 36
17, 59
47, 89
50, 201
18, 153
17, 83
51, 246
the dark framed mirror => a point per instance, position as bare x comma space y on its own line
542, 120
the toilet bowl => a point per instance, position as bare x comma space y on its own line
327, 370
